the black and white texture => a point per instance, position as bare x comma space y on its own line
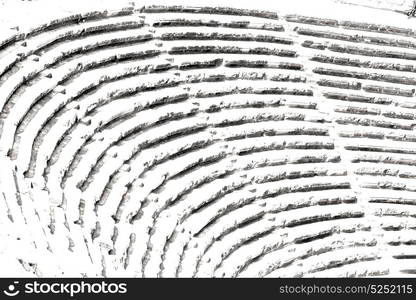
208, 141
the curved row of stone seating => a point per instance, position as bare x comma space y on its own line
171, 141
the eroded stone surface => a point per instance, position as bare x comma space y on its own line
208, 141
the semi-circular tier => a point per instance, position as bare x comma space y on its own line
201, 142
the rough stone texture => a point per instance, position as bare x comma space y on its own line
163, 141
